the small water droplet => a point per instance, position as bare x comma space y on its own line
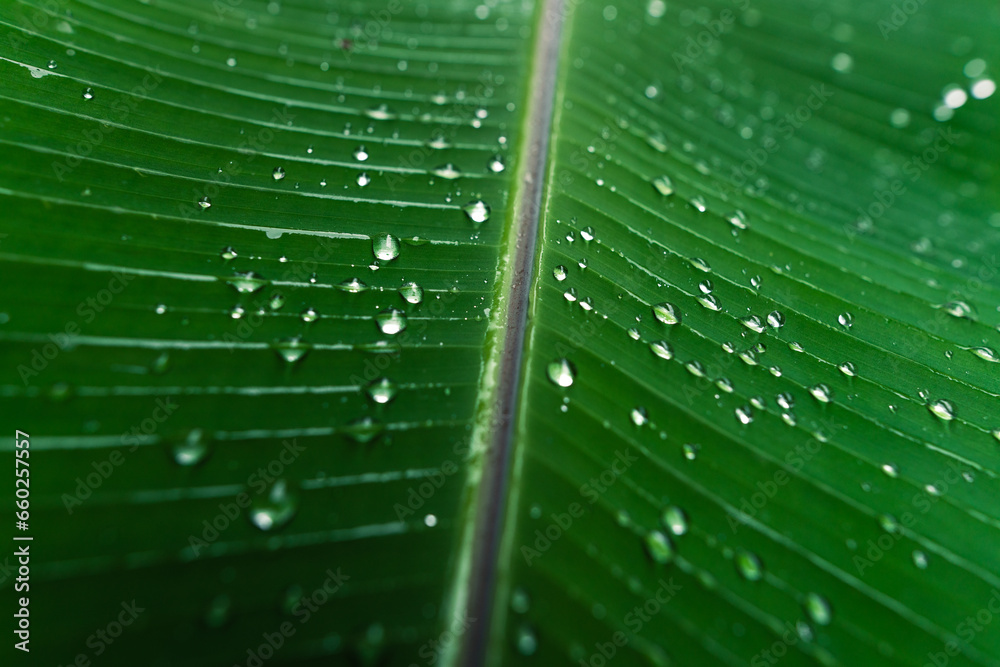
381, 391
959, 309
88, 94
275, 510
246, 283
919, 559
744, 414
191, 449
559, 273
278, 173
846, 320
700, 264
698, 203
639, 416
364, 179
587, 234
291, 349
690, 451
448, 171
710, 302
570, 294
775, 319
737, 219
663, 185
889, 524
847, 368
818, 609
477, 211
658, 547
391, 322
675, 520
662, 349
360, 154
748, 565
634, 334
205, 203
309, 315
364, 430
527, 642
351, 285
890, 469
385, 247
161, 308
228, 253
496, 164
562, 372
754, 324
667, 313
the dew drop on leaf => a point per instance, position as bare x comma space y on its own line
818, 609
364, 179
275, 510
639, 416
847, 368
662, 349
278, 173
381, 390
385, 247
477, 211
942, 409
291, 349
890, 469
246, 283
737, 219
88, 94
710, 302
663, 185
754, 324
228, 253
411, 292
690, 451
360, 154
658, 547
775, 319
987, 353
846, 320
749, 566
559, 273
448, 171
820, 392
527, 642
496, 164
562, 372
391, 322
919, 559
667, 313
698, 203
205, 203
675, 520
191, 449
352, 285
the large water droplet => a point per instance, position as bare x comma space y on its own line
846, 320
987, 353
291, 349
942, 409
667, 313
959, 309
385, 247
775, 319
662, 349
562, 372
412, 293
559, 273
754, 324
820, 392
352, 286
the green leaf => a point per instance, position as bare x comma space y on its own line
452, 333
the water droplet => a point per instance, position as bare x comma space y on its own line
587, 234
663, 185
755, 282
477, 211
987, 353
706, 286
291, 349
52, 64
360, 154
412, 293
658, 547
391, 322
496, 164
818, 609
749, 566
725, 384
634, 334
847, 368
278, 173
698, 203
662, 349
890, 469
309, 315
820, 392
889, 524
754, 324
275, 510
690, 451
191, 449
675, 520
381, 391
710, 302
352, 285
88, 94
775, 319
246, 283
695, 368
520, 601
237, 312
639, 416
364, 179
700, 264
846, 320
363, 430
228, 253
958, 309
385, 247
667, 313
570, 295
161, 308
205, 203
527, 642
942, 409
559, 273
737, 219
794, 346
380, 112
919, 559
449, 172
562, 372
744, 414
